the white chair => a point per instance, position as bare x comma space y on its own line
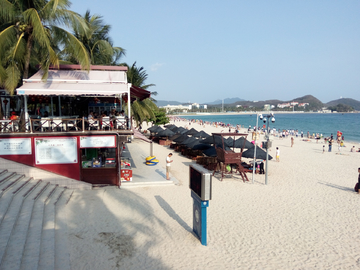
57, 124
72, 124
45, 124
93, 123
120, 122
106, 123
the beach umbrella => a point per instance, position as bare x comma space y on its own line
175, 136
191, 132
208, 140
157, 130
229, 142
260, 154
210, 152
169, 125
165, 133
239, 143
173, 128
201, 146
181, 130
192, 144
188, 140
153, 128
201, 134
180, 138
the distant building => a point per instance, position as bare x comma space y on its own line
182, 108
267, 107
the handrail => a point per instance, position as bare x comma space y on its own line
52, 124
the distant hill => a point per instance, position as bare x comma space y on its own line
346, 101
314, 103
161, 103
226, 101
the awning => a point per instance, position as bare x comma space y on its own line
99, 81
139, 135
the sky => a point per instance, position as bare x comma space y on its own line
201, 51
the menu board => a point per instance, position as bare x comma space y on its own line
15, 146
56, 150
97, 141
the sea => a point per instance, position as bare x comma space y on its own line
322, 123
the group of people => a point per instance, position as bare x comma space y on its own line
113, 113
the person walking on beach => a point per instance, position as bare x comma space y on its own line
277, 154
358, 183
292, 141
330, 144
168, 163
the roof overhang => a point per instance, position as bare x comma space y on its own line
70, 80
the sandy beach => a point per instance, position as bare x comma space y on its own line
307, 217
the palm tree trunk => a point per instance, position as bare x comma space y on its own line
27, 57
26, 76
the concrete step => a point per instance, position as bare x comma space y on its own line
31, 250
62, 254
7, 192
11, 216
14, 249
5, 176
47, 246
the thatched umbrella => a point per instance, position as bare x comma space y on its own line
157, 129
181, 138
165, 133
201, 146
260, 153
210, 152
193, 143
188, 140
191, 132
153, 128
175, 136
169, 125
239, 143
181, 130
201, 134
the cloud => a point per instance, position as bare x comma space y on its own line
156, 66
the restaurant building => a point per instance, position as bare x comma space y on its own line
66, 139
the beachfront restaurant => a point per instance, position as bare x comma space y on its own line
55, 133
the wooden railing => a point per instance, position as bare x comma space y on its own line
53, 124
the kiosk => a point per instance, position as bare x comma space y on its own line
200, 185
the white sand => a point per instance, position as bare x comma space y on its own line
307, 217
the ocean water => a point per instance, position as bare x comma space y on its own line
326, 124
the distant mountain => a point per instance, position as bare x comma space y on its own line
226, 101
161, 103
314, 103
346, 101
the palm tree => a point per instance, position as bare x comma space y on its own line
142, 110
97, 41
30, 35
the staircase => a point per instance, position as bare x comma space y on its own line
33, 229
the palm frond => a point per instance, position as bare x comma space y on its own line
12, 78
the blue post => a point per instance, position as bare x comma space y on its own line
200, 218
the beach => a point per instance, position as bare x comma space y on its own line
305, 218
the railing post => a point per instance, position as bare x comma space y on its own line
30, 124
83, 124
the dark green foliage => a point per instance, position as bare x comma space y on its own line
341, 108
160, 117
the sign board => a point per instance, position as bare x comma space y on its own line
60, 150
15, 146
200, 182
97, 141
